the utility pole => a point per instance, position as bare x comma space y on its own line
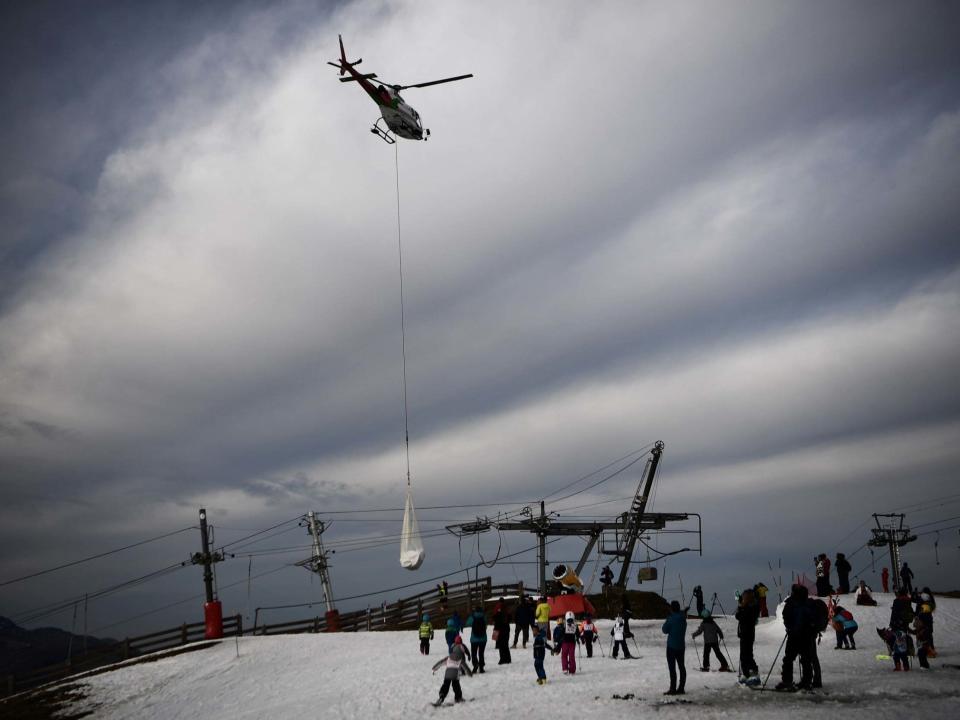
212, 610
542, 552
317, 563
894, 535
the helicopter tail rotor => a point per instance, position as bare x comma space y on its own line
343, 65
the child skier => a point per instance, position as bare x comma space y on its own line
456, 663
426, 635
568, 650
619, 637
900, 647
587, 632
540, 647
712, 635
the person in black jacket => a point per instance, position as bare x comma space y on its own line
501, 626
843, 568
799, 622
478, 638
906, 578
748, 614
698, 599
523, 619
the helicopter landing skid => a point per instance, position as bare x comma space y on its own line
382, 133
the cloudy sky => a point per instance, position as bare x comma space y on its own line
730, 227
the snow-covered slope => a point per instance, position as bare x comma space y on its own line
382, 675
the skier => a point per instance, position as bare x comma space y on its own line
557, 638
451, 634
698, 597
900, 647
501, 629
799, 623
456, 663
748, 614
540, 647
426, 635
761, 590
568, 649
675, 628
845, 627
588, 632
542, 614
478, 638
843, 573
606, 579
712, 635
906, 578
619, 637
885, 579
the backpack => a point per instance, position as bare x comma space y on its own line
821, 615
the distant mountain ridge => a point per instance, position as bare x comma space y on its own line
23, 650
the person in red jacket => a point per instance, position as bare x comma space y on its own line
885, 579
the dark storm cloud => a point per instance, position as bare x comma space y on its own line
730, 228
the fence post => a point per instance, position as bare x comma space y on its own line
183, 634
419, 608
368, 619
399, 611
316, 624
239, 624
126, 649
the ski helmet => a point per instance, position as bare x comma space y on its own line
569, 615
458, 640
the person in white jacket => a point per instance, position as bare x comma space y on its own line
455, 663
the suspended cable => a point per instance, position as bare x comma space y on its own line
598, 470
403, 330
94, 557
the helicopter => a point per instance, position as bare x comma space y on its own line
399, 118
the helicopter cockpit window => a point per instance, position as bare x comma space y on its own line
416, 116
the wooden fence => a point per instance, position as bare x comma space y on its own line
403, 614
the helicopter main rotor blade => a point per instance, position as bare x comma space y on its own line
433, 82
368, 76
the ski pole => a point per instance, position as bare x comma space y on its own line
775, 658
699, 664
635, 646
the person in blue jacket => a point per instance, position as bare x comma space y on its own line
451, 634
540, 647
675, 628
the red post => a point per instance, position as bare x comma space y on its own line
333, 620
213, 620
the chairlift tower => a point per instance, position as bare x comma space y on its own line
626, 529
892, 533
317, 563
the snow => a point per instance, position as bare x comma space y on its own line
382, 675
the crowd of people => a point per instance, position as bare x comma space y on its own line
805, 617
